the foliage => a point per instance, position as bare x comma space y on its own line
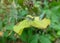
13, 12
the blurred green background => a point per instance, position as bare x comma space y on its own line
14, 11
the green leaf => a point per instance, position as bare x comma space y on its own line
34, 38
44, 39
1, 25
24, 36
58, 33
20, 2
12, 37
53, 4
9, 27
5, 34
35, 9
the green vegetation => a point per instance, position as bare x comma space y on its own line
14, 11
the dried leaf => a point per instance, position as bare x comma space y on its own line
19, 28
40, 24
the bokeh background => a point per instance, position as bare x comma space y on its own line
14, 11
